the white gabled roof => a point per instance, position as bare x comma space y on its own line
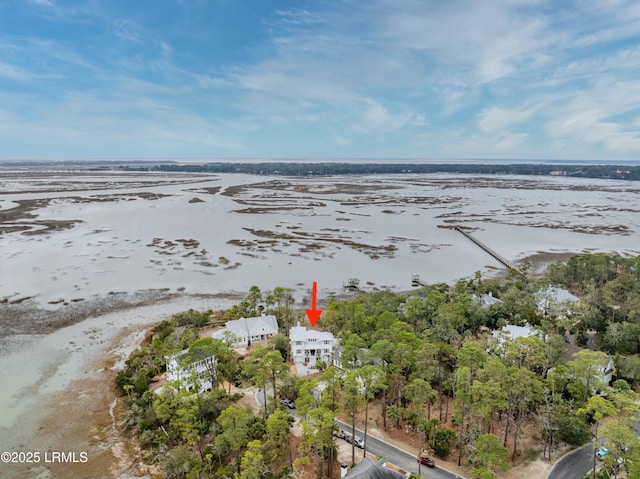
301, 333
257, 326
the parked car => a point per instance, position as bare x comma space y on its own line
340, 434
425, 461
602, 453
289, 403
358, 442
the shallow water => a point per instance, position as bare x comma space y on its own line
121, 245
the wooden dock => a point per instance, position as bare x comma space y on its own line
493, 253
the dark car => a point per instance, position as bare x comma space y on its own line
425, 461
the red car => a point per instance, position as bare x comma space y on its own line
425, 461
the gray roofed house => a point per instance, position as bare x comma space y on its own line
486, 300
368, 469
556, 301
248, 331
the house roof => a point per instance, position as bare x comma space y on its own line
178, 357
256, 326
301, 333
486, 299
511, 331
367, 469
558, 295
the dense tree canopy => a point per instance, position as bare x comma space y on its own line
427, 358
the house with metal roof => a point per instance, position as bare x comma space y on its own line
249, 331
368, 469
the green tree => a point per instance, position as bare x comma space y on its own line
234, 422
205, 351
525, 393
442, 442
353, 397
472, 357
305, 401
597, 407
352, 351
587, 367
489, 392
277, 370
373, 380
253, 298
462, 406
253, 464
332, 377
622, 442
277, 437
317, 439
490, 454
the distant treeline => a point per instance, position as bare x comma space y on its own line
618, 172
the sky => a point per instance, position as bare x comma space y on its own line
278, 79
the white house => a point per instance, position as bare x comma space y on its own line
248, 331
311, 345
177, 370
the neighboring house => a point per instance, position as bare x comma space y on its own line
556, 301
486, 300
510, 333
368, 469
337, 356
310, 345
249, 331
177, 370
605, 371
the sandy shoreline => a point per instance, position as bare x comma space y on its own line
60, 394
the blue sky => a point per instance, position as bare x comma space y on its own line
225, 79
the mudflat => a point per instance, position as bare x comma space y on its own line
89, 260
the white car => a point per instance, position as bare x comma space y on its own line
358, 442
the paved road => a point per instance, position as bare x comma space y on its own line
397, 456
574, 465
577, 463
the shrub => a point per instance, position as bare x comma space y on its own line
442, 442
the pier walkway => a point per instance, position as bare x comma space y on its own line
493, 253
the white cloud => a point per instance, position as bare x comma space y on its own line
495, 118
596, 117
480, 78
342, 141
44, 3
377, 118
13, 72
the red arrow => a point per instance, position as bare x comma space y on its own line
313, 314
